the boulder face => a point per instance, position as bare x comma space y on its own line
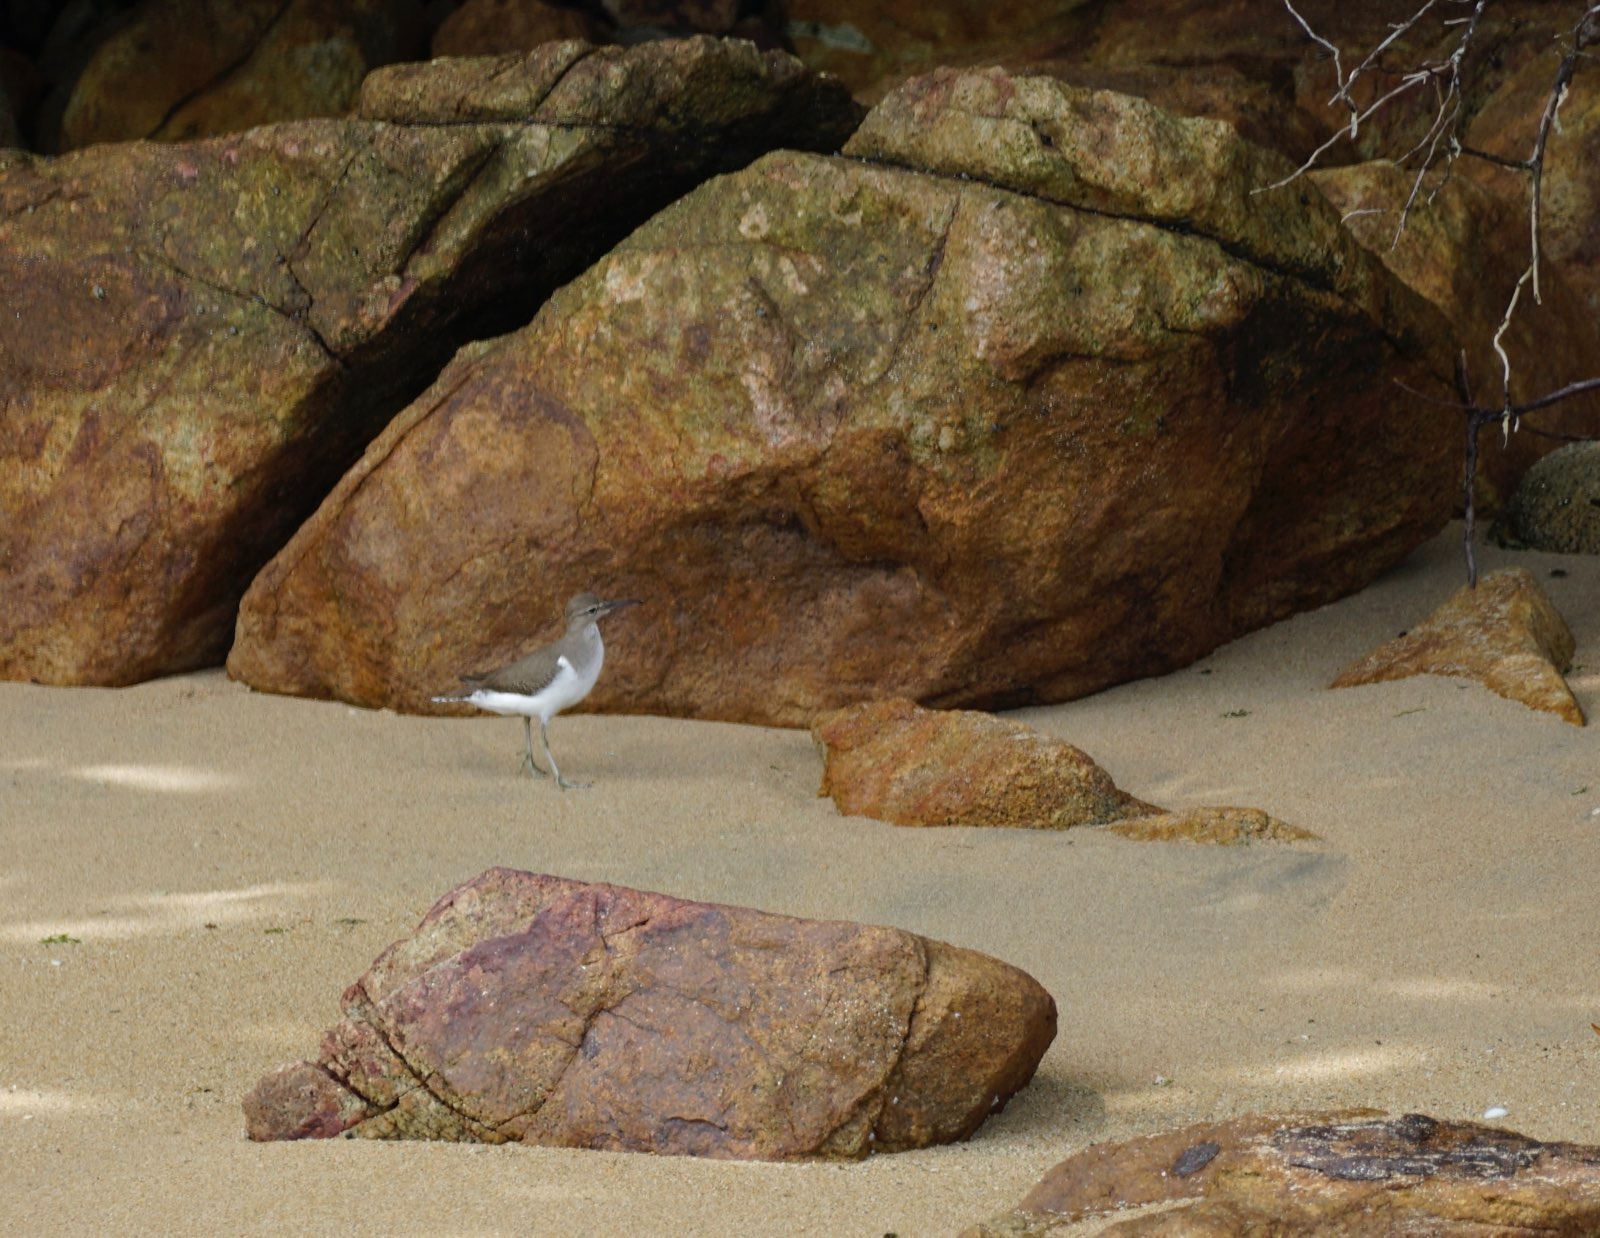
214, 331
182, 69
1337, 1174
1027, 396
536, 1009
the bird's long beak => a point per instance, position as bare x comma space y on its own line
607, 607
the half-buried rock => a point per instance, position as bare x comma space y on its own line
1505, 633
1353, 1173
542, 1010
898, 762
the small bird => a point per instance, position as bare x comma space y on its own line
550, 679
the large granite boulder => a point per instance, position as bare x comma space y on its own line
1464, 248
212, 332
172, 70
1338, 1175
541, 1010
1027, 395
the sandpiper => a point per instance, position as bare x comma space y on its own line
550, 679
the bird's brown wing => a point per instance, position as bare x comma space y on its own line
526, 676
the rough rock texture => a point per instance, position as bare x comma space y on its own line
1557, 505
214, 331
1029, 397
1504, 633
1336, 1175
1465, 251
897, 762
495, 27
1570, 194
1223, 827
556, 1012
181, 69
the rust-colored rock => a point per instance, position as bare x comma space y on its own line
536, 1009
495, 27
1028, 397
1336, 1175
1505, 633
897, 762
183, 69
212, 332
1464, 249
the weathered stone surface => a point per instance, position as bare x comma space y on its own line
1223, 827
556, 1012
897, 762
183, 69
1464, 248
496, 27
1556, 506
1029, 397
214, 331
1505, 633
1340, 1175
1569, 194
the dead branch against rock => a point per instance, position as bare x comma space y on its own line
1433, 156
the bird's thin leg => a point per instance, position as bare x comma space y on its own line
528, 763
544, 736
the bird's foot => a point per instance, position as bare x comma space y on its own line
533, 770
566, 783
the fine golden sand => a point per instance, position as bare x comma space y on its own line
227, 862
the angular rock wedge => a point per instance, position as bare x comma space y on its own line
898, 762
536, 1009
1340, 1175
1505, 634
212, 332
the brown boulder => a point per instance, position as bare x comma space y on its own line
182, 69
897, 762
214, 331
1339, 1175
1504, 633
1027, 397
495, 27
1464, 248
536, 1009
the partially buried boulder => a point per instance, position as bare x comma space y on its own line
212, 332
896, 762
1028, 395
541, 1010
1340, 1175
1504, 633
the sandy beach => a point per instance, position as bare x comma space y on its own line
224, 863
